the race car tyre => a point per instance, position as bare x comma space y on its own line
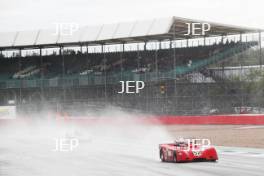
162, 156
175, 158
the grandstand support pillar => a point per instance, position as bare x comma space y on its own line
260, 51
63, 62
240, 37
145, 46
260, 60
63, 74
41, 63
123, 47
121, 59
174, 69
105, 81
204, 41
19, 69
41, 74
87, 60
19, 59
122, 51
156, 64
138, 57
102, 48
187, 43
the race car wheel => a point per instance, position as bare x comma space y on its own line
174, 158
162, 156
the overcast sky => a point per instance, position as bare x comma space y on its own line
37, 14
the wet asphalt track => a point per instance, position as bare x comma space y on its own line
94, 160
29, 153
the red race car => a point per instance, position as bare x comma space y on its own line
187, 150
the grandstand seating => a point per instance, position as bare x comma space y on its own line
88, 69
218, 56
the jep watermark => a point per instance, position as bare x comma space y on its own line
65, 29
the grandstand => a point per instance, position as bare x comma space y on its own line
84, 69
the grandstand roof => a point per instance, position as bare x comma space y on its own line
126, 32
